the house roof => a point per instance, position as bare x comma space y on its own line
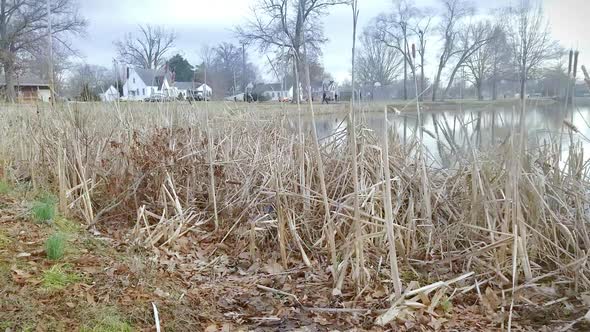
26, 79
152, 77
187, 85
263, 87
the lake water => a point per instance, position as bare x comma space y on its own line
449, 135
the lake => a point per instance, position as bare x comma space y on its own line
449, 136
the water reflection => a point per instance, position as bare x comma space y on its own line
450, 136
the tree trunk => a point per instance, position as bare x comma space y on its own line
479, 85
296, 84
436, 83
9, 77
451, 80
523, 77
494, 89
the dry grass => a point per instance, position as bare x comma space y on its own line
508, 219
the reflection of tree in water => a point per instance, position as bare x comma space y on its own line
449, 137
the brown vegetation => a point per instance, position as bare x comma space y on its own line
508, 226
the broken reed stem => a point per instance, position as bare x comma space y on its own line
281, 218
330, 228
426, 203
397, 285
359, 263
210, 153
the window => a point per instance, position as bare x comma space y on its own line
143, 92
279, 95
134, 80
273, 94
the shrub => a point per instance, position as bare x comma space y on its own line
44, 209
55, 246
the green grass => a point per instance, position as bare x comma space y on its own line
55, 246
4, 188
59, 277
107, 320
67, 226
4, 240
44, 209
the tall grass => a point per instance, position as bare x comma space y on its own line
55, 246
146, 168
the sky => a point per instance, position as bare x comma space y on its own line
209, 22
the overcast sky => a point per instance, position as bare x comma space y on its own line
199, 22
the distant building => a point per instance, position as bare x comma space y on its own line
273, 91
29, 88
191, 89
144, 83
110, 95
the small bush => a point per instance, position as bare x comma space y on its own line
58, 277
55, 246
44, 209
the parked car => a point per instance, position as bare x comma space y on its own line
196, 96
157, 97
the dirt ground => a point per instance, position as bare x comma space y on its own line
105, 283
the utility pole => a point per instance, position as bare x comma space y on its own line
50, 57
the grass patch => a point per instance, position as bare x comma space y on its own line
59, 277
44, 209
107, 320
66, 226
4, 240
55, 246
4, 188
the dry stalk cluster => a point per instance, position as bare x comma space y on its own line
509, 214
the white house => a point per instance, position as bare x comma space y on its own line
192, 89
143, 83
273, 92
110, 95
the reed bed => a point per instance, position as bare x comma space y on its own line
509, 218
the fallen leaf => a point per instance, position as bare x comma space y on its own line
212, 328
23, 254
161, 293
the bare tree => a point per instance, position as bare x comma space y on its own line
376, 62
480, 63
529, 39
36, 62
225, 70
421, 30
454, 11
473, 38
280, 25
146, 49
24, 26
395, 30
96, 79
500, 58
